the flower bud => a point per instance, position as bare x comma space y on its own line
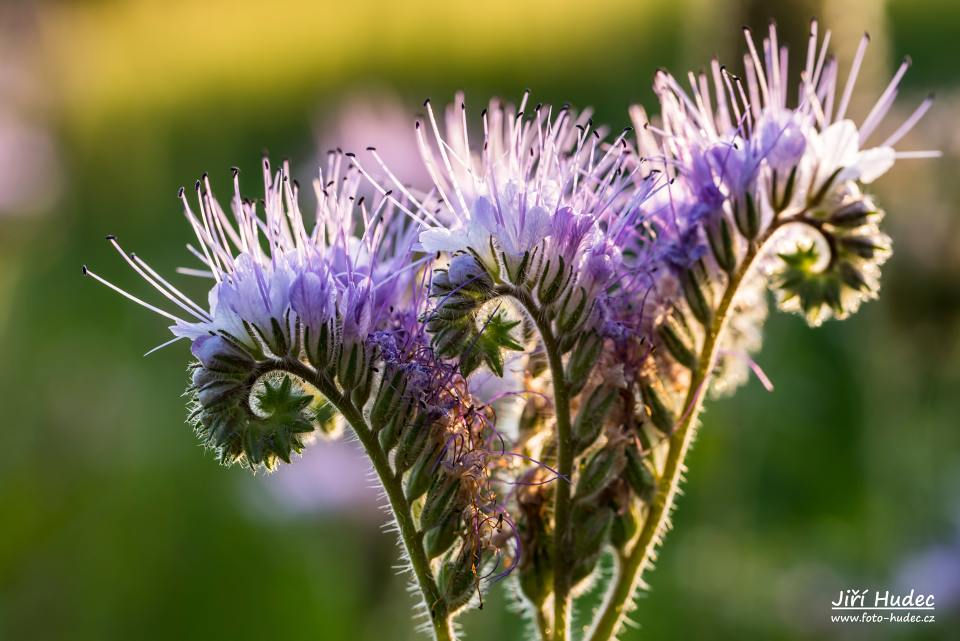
676, 345
780, 138
626, 524
388, 399
590, 418
593, 528
583, 359
661, 416
423, 472
260, 432
720, 238
213, 388
853, 214
696, 298
536, 573
442, 499
438, 540
397, 423
457, 579
602, 468
220, 355
413, 440
640, 473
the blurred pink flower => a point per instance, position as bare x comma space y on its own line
29, 163
29, 174
375, 118
331, 476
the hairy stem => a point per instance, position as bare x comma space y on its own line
393, 486
631, 566
562, 532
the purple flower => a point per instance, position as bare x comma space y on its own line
751, 137
274, 277
542, 183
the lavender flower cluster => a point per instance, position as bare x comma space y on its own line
607, 282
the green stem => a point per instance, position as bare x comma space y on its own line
562, 532
565, 456
393, 486
543, 621
632, 565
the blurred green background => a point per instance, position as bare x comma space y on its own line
114, 524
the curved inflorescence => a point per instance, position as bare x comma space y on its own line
523, 348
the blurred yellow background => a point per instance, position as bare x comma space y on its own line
116, 525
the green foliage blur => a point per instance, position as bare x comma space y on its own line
115, 524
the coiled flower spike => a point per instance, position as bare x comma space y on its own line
752, 162
281, 293
760, 194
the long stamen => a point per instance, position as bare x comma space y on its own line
909, 123
125, 294
852, 78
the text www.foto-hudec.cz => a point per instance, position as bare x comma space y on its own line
882, 606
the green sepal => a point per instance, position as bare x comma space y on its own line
548, 293
787, 190
747, 217
570, 318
